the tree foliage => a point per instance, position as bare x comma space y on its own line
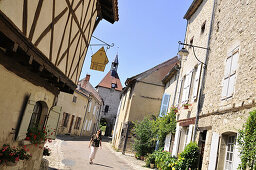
247, 142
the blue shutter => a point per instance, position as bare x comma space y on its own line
164, 105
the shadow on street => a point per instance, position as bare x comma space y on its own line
81, 138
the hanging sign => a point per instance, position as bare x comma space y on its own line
99, 60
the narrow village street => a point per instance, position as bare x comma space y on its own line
78, 159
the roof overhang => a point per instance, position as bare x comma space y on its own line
108, 10
192, 9
171, 73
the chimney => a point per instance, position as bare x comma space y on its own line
85, 80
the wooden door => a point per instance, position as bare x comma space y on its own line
71, 123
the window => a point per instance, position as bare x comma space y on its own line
89, 106
74, 99
65, 119
186, 87
196, 81
203, 27
36, 115
89, 125
230, 74
191, 41
113, 85
77, 123
85, 124
106, 108
164, 105
94, 110
229, 160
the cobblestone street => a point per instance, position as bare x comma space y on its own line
73, 153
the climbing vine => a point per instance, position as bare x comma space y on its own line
247, 142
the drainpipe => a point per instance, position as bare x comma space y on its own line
86, 110
203, 75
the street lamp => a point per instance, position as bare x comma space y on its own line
184, 51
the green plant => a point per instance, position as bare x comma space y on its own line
150, 159
144, 137
164, 125
188, 158
36, 136
137, 155
247, 143
164, 160
47, 151
13, 154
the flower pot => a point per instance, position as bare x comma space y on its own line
185, 107
152, 165
142, 158
11, 163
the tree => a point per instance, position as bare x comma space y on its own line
247, 142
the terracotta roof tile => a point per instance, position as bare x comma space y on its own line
111, 77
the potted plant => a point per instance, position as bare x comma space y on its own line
174, 109
36, 136
11, 155
186, 106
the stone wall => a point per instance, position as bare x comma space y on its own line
15, 92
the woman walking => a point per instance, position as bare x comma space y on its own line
95, 143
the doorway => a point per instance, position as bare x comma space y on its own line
202, 138
71, 123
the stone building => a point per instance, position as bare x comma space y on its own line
141, 97
199, 17
110, 89
230, 87
42, 49
74, 107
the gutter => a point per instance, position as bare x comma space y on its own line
203, 75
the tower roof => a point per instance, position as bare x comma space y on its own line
111, 78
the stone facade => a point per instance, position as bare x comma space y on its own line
233, 32
190, 78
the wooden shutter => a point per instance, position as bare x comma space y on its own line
232, 78
25, 120
190, 132
176, 141
196, 81
85, 124
52, 122
214, 151
236, 157
188, 86
235, 59
167, 142
89, 107
184, 89
226, 78
164, 105
178, 94
94, 109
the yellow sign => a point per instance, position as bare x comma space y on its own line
99, 60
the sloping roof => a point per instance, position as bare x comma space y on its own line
164, 67
109, 10
111, 77
192, 9
171, 73
89, 88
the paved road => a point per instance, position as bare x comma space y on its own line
73, 153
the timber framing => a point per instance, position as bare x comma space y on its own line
27, 59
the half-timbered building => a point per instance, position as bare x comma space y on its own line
42, 49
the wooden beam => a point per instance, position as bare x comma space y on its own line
52, 30
36, 16
25, 17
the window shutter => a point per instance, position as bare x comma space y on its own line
167, 143
89, 125
89, 107
52, 122
227, 67
85, 125
225, 88
234, 66
188, 86
184, 90
178, 94
196, 81
25, 120
164, 105
214, 151
190, 132
231, 85
237, 159
94, 109
176, 141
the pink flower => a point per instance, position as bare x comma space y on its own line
17, 159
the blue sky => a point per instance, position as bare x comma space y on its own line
145, 35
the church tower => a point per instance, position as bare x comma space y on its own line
110, 89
